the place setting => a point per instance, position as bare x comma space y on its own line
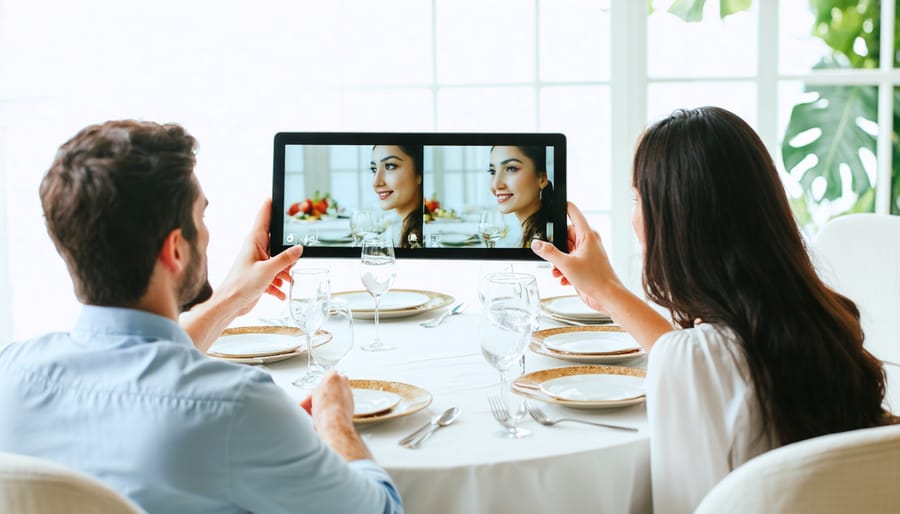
586, 345
263, 344
570, 310
380, 400
585, 387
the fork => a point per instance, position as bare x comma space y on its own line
498, 409
433, 322
543, 419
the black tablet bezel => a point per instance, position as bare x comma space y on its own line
556, 140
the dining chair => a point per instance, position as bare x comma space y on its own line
855, 471
859, 256
30, 485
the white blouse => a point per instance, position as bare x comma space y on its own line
702, 412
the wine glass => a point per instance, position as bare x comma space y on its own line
492, 227
377, 273
361, 223
339, 324
511, 308
307, 305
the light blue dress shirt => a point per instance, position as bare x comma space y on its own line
127, 398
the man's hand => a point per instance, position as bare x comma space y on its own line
252, 274
331, 407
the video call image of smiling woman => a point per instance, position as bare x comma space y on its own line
421, 196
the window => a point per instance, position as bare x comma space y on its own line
234, 74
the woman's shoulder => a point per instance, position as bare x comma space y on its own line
705, 342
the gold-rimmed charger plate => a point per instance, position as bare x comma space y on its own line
249, 333
530, 385
435, 301
571, 307
412, 399
537, 346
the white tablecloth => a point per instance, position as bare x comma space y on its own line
466, 467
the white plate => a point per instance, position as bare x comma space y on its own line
434, 301
335, 237
571, 307
603, 358
262, 341
459, 239
591, 342
594, 388
368, 402
390, 301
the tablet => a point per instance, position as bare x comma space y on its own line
436, 195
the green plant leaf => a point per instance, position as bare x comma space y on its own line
692, 10
834, 112
729, 7
688, 10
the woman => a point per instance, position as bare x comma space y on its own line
520, 184
397, 180
766, 354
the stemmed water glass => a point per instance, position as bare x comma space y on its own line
339, 325
307, 306
491, 227
511, 307
377, 272
361, 222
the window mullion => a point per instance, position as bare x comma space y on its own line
767, 76
885, 111
629, 116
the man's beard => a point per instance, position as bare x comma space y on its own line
196, 284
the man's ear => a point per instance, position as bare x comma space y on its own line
172, 255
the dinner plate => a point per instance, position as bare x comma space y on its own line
459, 239
585, 393
609, 358
433, 301
571, 307
594, 388
361, 301
336, 237
268, 359
368, 402
262, 341
538, 344
412, 399
580, 341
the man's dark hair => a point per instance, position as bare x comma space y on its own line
113, 194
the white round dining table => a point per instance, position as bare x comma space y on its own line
466, 467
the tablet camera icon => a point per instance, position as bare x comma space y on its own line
289, 238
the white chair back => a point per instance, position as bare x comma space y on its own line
859, 256
856, 471
29, 485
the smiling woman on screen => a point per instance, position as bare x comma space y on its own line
521, 186
397, 180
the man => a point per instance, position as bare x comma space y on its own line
126, 395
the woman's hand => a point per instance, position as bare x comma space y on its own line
586, 266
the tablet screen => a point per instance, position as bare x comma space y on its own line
436, 195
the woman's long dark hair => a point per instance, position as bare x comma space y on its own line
535, 226
412, 223
721, 245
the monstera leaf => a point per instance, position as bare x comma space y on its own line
833, 113
692, 10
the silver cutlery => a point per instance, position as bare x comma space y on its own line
415, 439
456, 309
543, 419
499, 410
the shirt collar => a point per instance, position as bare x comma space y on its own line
119, 321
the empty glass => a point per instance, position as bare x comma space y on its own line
511, 306
377, 271
339, 325
362, 222
307, 306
